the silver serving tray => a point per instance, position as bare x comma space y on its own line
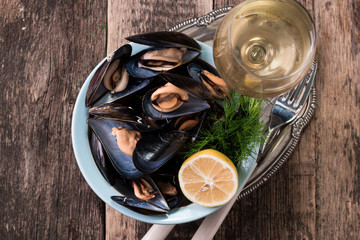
203, 29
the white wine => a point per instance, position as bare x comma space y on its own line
263, 48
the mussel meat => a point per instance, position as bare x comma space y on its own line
152, 61
210, 78
122, 162
126, 139
162, 59
168, 98
97, 87
170, 102
186, 123
168, 185
116, 77
141, 193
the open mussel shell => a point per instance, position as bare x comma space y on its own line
154, 149
212, 80
134, 85
101, 159
193, 105
133, 68
119, 112
96, 87
129, 199
195, 129
196, 66
138, 205
122, 162
165, 39
115, 111
192, 86
169, 187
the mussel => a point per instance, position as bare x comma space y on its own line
122, 162
116, 77
134, 86
170, 101
169, 50
190, 123
193, 86
101, 159
169, 187
207, 75
115, 111
168, 98
119, 112
155, 149
152, 61
162, 59
104, 80
141, 193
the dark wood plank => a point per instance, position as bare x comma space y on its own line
132, 17
48, 48
337, 120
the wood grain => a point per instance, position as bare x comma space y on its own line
126, 18
47, 50
337, 120
49, 47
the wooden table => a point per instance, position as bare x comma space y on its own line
47, 50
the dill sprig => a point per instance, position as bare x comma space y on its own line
235, 133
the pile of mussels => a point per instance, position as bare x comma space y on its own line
143, 108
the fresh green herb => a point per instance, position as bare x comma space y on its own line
236, 132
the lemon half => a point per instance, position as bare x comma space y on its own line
208, 178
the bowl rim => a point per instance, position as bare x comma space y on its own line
104, 190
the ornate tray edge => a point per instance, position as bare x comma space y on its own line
201, 21
297, 128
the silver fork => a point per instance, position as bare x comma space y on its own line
287, 107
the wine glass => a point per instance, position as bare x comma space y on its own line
263, 48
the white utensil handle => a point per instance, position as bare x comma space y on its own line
158, 232
212, 223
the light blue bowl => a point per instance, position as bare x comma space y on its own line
104, 190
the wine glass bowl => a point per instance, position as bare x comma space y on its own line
263, 48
